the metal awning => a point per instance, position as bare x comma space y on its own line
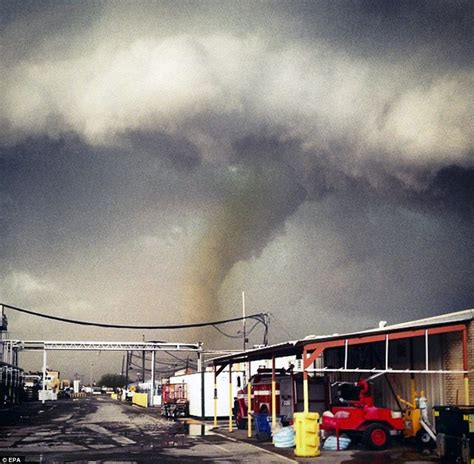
454, 321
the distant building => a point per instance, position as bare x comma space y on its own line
11, 376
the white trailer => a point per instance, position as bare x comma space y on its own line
200, 391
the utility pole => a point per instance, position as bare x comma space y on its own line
126, 372
244, 322
153, 375
143, 361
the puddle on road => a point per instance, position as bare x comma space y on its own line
195, 429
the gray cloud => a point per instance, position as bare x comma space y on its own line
210, 89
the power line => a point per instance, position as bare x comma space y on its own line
178, 358
281, 325
239, 332
257, 316
226, 334
183, 361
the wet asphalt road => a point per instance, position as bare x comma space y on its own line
101, 430
91, 430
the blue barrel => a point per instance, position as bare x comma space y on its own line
263, 430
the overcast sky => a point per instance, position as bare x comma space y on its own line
158, 158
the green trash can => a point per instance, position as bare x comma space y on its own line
455, 433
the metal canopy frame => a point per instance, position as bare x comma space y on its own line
385, 371
313, 351
108, 346
14, 346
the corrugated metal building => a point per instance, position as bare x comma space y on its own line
432, 354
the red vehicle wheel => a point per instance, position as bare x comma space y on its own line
376, 436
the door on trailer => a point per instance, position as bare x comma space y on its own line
286, 397
318, 394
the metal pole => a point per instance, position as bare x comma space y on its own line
465, 361
412, 375
126, 373
215, 396
244, 321
391, 371
386, 352
426, 351
203, 394
305, 385
249, 402
273, 394
230, 398
346, 345
44, 375
143, 366
203, 380
199, 362
153, 360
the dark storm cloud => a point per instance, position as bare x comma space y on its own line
452, 189
64, 194
211, 83
394, 28
182, 154
32, 29
317, 153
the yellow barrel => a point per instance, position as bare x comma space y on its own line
306, 434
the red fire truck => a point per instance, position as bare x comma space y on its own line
289, 395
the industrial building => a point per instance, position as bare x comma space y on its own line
11, 376
432, 355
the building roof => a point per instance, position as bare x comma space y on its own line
296, 347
